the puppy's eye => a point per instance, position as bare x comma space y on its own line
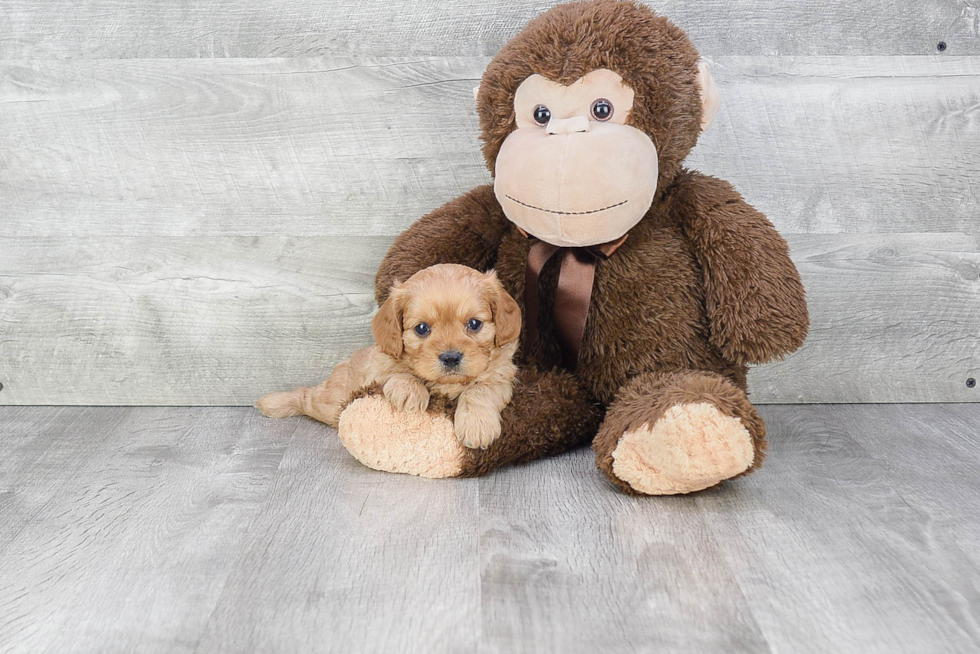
474, 325
541, 114
422, 329
602, 109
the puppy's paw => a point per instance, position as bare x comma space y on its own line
476, 428
407, 394
280, 405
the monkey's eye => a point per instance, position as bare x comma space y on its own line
542, 114
602, 109
474, 325
422, 329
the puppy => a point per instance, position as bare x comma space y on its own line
450, 331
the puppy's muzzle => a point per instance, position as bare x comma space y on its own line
451, 359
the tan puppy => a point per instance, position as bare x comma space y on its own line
449, 330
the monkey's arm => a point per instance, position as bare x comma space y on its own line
753, 295
467, 231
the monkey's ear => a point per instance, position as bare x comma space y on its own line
476, 92
506, 313
710, 98
387, 323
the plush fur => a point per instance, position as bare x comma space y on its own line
428, 447
652, 55
550, 414
702, 286
686, 450
644, 403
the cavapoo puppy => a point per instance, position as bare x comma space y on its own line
449, 331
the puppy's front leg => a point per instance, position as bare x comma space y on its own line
406, 393
477, 419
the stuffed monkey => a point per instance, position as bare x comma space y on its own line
646, 288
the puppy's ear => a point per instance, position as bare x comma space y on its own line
506, 313
387, 323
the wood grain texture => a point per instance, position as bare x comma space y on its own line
183, 321
110, 29
216, 530
846, 529
126, 545
845, 145
32, 463
299, 147
200, 231
571, 565
347, 559
894, 318
220, 321
341, 147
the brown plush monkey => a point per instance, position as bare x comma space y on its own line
647, 288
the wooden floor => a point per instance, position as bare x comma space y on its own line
215, 530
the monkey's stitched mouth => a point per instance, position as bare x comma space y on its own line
565, 213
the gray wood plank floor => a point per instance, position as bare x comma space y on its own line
215, 530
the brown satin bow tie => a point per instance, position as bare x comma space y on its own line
574, 292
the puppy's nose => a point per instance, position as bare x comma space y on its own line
450, 358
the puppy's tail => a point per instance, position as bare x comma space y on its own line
283, 404
323, 402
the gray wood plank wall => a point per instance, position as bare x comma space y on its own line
193, 198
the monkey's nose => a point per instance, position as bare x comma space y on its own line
450, 359
568, 125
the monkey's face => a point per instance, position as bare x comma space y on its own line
574, 172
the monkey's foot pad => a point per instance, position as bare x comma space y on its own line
691, 447
414, 443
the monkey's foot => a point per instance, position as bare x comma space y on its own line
691, 447
414, 443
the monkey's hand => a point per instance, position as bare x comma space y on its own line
753, 294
